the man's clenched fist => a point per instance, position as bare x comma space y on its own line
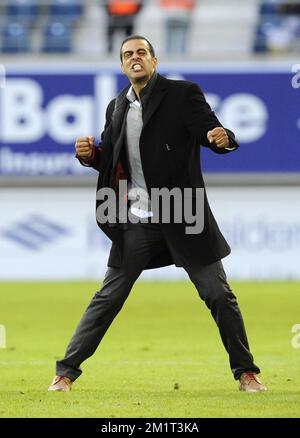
219, 137
85, 147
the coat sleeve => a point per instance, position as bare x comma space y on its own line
95, 160
199, 119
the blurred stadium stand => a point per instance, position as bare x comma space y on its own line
218, 29
278, 28
33, 26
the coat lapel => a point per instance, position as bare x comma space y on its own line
156, 97
118, 123
118, 113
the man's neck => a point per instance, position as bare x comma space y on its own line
138, 86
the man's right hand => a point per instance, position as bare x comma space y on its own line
85, 147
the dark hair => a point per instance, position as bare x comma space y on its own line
137, 37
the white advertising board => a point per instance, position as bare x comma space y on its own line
51, 234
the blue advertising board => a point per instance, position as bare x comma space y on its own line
42, 111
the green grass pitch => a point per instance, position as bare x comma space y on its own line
162, 357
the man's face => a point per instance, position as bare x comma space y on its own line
137, 61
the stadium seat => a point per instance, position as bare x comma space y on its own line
270, 7
22, 10
66, 10
16, 37
57, 37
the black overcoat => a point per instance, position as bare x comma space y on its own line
175, 125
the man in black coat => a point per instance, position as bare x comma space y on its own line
151, 141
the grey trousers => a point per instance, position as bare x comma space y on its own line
141, 242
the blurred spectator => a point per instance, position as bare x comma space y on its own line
279, 27
177, 22
121, 16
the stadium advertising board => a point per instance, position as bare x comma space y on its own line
52, 234
42, 111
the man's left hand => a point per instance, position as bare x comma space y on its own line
219, 137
